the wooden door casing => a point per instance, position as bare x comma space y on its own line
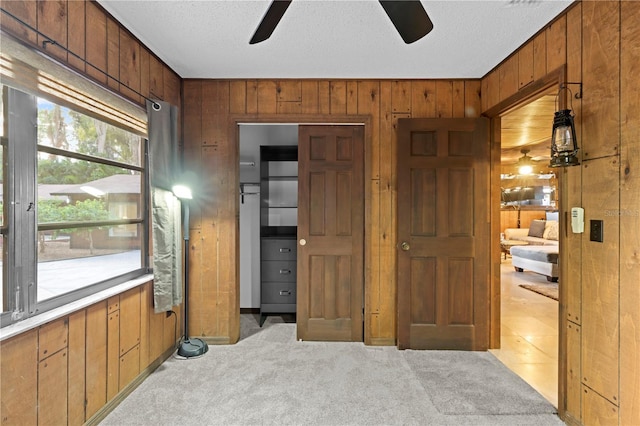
443, 217
330, 233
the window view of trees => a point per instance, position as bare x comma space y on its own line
87, 170
90, 221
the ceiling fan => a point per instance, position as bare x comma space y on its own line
408, 16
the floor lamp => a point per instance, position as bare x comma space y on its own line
189, 347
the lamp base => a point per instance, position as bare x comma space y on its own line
564, 161
192, 347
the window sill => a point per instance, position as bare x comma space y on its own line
54, 314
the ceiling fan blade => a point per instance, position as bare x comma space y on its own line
409, 18
270, 20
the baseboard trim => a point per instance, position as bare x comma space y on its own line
382, 341
222, 340
102, 413
249, 310
570, 420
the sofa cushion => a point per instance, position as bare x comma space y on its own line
536, 229
551, 230
547, 254
515, 233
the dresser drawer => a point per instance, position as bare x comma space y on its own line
279, 270
274, 292
279, 249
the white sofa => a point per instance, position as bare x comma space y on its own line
541, 253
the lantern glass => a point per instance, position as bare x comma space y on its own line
563, 139
564, 146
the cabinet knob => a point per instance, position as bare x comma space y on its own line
285, 292
285, 250
303, 242
285, 271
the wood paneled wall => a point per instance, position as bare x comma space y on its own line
211, 149
599, 43
67, 371
509, 218
96, 46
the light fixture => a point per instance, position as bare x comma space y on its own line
564, 144
182, 191
189, 347
525, 166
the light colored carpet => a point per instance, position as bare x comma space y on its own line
550, 290
270, 378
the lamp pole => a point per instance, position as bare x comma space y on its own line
188, 347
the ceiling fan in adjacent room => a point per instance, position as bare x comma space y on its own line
408, 16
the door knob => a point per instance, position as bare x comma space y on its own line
405, 246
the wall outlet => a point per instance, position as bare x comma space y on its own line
596, 231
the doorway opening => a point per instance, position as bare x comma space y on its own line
529, 245
262, 219
301, 239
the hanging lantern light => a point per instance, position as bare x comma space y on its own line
564, 144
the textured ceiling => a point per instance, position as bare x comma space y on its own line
348, 39
331, 38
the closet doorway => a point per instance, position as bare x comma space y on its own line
320, 232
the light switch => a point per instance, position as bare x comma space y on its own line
596, 233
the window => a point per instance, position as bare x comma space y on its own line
3, 295
79, 181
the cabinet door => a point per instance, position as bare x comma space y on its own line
52, 389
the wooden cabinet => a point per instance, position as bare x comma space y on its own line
278, 227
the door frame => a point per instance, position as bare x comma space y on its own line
528, 93
233, 126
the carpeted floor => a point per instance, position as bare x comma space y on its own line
270, 378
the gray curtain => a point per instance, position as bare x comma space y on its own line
165, 207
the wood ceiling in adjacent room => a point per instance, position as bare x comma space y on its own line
528, 127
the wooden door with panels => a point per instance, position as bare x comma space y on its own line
443, 233
330, 265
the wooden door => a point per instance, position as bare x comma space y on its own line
330, 233
443, 233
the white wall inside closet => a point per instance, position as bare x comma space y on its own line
251, 137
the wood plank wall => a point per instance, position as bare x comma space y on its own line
600, 44
597, 41
100, 47
66, 371
211, 149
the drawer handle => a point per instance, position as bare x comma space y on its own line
285, 292
285, 250
285, 271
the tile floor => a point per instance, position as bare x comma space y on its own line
529, 332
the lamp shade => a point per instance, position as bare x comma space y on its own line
182, 191
184, 186
564, 144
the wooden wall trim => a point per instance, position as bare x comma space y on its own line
553, 78
525, 94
